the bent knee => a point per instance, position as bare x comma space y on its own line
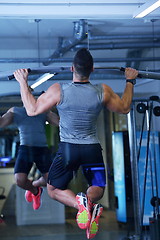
20, 181
52, 191
102, 189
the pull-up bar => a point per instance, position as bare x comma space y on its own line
114, 70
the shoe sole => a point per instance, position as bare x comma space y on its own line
93, 228
27, 199
83, 215
40, 201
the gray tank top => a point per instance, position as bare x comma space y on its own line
31, 129
78, 109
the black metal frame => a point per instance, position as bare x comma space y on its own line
134, 157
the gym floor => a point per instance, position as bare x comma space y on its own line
109, 229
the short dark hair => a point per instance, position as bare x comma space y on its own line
83, 62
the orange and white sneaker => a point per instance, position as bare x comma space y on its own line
90, 205
83, 216
93, 227
37, 202
28, 196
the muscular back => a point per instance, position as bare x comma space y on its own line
31, 129
78, 109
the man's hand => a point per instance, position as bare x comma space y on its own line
21, 75
131, 73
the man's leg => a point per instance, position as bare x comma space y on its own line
66, 197
33, 193
41, 182
23, 182
80, 202
95, 193
94, 171
92, 229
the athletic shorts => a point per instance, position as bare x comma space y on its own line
28, 155
70, 157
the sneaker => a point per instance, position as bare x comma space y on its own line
90, 204
83, 215
93, 227
37, 199
28, 196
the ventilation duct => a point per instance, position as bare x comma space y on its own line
123, 36
122, 45
78, 36
69, 60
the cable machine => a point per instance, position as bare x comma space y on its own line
144, 143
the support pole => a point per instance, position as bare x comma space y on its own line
134, 171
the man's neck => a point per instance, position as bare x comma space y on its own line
78, 79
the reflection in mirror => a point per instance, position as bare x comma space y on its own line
9, 142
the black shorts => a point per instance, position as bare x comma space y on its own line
28, 155
70, 157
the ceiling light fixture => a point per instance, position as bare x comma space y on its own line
42, 79
146, 8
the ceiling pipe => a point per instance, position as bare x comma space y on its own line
122, 45
123, 36
68, 76
134, 53
79, 35
93, 76
70, 60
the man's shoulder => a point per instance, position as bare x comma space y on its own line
65, 85
98, 86
59, 85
